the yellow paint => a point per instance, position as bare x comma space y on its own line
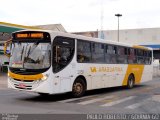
137, 70
25, 77
140, 47
93, 69
19, 26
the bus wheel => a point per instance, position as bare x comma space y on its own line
130, 83
79, 88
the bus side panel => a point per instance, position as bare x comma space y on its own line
136, 70
120, 75
147, 73
101, 75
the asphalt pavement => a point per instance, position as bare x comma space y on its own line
144, 98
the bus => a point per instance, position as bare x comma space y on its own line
49, 62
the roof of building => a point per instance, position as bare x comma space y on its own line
7, 28
54, 27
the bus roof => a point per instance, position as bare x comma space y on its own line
58, 33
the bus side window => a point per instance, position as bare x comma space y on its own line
83, 51
148, 57
107, 56
131, 56
97, 53
110, 54
140, 56
80, 56
121, 56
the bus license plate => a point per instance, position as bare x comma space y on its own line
21, 85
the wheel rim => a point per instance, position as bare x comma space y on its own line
131, 82
77, 88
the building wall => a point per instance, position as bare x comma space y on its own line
54, 27
136, 36
145, 36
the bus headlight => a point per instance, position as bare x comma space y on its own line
45, 77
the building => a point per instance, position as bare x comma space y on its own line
54, 27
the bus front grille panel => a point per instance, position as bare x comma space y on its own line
25, 84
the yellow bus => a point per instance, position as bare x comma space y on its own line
49, 62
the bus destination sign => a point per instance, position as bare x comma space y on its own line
30, 35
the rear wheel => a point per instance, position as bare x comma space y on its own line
79, 88
130, 83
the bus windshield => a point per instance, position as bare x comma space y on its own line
29, 55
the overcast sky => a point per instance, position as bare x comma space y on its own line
82, 15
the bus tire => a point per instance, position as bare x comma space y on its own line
78, 88
131, 81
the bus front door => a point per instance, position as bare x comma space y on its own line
63, 66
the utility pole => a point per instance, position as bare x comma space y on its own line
102, 17
118, 15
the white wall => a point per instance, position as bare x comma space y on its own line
135, 36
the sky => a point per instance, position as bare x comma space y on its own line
82, 15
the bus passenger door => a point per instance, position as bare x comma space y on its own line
66, 71
63, 52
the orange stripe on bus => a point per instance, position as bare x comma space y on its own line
25, 77
140, 47
137, 70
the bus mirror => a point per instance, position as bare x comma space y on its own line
6, 45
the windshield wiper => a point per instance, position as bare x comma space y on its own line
22, 52
31, 48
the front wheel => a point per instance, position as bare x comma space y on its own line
130, 83
79, 88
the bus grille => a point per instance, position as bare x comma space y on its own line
25, 84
